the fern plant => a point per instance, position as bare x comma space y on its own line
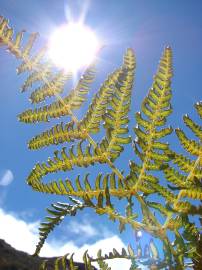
154, 169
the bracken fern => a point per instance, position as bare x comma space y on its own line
153, 158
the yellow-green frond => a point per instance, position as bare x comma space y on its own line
82, 187
57, 134
33, 63
51, 88
64, 162
57, 214
164, 192
192, 193
175, 177
163, 210
116, 116
186, 207
93, 117
186, 165
37, 76
14, 46
193, 147
63, 106
14, 43
155, 108
197, 129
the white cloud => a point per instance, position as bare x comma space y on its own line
24, 236
86, 230
6, 178
83, 228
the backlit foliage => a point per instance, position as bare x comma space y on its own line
155, 168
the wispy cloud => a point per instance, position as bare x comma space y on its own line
84, 228
10, 223
6, 177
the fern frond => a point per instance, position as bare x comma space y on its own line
13, 45
116, 117
190, 182
57, 134
191, 146
187, 208
192, 193
163, 210
81, 188
175, 177
58, 212
164, 192
63, 106
176, 223
186, 165
33, 62
114, 254
196, 129
36, 76
191, 233
103, 265
71, 263
155, 109
89, 124
51, 88
132, 179
107, 208
93, 117
43, 265
67, 162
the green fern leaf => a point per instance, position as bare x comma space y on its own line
63, 106
66, 162
191, 146
51, 88
59, 211
37, 75
155, 109
92, 119
196, 129
163, 210
192, 193
175, 177
164, 192
186, 165
117, 116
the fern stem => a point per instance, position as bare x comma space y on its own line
126, 220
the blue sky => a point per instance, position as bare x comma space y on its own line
147, 27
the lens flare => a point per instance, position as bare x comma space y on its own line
73, 46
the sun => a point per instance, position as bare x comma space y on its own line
73, 46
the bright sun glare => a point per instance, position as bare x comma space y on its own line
73, 46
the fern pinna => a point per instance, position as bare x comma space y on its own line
152, 159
